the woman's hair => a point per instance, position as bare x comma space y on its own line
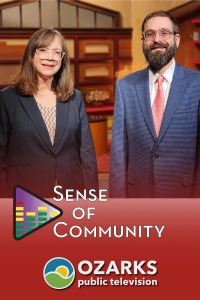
26, 81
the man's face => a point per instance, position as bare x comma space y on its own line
159, 51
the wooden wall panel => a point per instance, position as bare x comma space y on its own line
11, 50
187, 51
8, 72
96, 70
124, 47
96, 47
71, 47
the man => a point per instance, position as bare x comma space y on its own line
155, 142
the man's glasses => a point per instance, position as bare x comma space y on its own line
43, 53
164, 33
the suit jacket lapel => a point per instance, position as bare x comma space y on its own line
175, 95
144, 100
61, 121
33, 111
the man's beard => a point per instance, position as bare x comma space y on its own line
159, 60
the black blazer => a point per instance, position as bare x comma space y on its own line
27, 156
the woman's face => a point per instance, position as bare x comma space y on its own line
46, 65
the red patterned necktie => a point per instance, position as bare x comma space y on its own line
158, 105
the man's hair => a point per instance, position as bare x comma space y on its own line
26, 81
162, 13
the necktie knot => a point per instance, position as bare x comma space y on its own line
160, 79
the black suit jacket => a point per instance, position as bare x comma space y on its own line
27, 156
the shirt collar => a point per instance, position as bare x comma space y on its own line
168, 74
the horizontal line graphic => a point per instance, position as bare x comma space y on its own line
53, 213
19, 229
42, 219
19, 203
30, 219
42, 214
30, 213
19, 213
19, 219
42, 208
19, 208
19, 224
30, 224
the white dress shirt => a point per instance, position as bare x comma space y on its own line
153, 85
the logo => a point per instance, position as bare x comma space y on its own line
31, 212
59, 273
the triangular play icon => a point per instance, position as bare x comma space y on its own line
31, 212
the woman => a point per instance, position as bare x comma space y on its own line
45, 138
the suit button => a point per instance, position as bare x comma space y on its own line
53, 157
156, 155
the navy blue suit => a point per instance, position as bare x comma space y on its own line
143, 165
27, 156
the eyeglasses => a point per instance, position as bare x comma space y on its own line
164, 33
43, 53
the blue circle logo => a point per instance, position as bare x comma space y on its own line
59, 273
